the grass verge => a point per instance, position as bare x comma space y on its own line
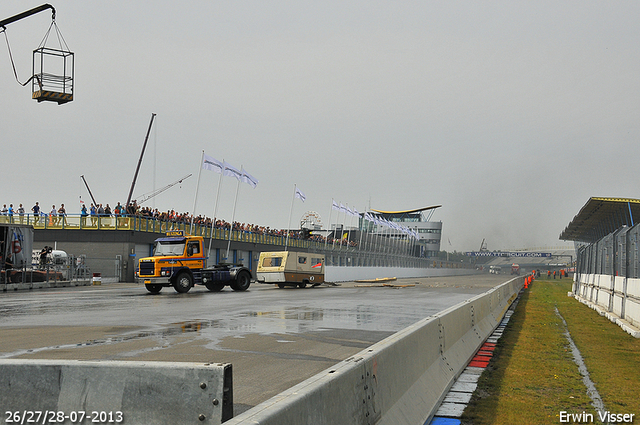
533, 377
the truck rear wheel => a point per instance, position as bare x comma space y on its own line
214, 286
242, 282
183, 283
154, 289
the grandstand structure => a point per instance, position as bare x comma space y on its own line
430, 232
607, 238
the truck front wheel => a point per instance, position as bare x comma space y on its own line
242, 282
154, 289
183, 283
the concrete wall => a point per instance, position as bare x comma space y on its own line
119, 392
129, 245
616, 297
345, 274
107, 244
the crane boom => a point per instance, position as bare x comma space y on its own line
146, 197
28, 13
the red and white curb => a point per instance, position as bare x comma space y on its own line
460, 393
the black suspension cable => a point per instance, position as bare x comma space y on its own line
13, 65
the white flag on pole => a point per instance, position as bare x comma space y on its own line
249, 179
300, 195
231, 171
209, 163
334, 205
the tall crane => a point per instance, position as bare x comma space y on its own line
135, 176
150, 195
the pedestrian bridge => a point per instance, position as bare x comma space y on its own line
130, 237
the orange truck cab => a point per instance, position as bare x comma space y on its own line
178, 260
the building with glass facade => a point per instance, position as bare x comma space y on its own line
419, 220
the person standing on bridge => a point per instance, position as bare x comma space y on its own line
94, 213
62, 213
83, 216
21, 213
53, 216
36, 214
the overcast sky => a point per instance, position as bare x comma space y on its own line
509, 114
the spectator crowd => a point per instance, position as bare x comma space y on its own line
57, 216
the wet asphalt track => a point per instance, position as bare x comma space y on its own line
274, 338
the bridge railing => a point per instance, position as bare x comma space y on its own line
383, 253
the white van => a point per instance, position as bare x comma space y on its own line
290, 268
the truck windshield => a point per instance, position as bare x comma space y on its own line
168, 248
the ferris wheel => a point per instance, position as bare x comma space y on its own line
311, 220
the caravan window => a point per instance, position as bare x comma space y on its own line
316, 261
302, 260
272, 262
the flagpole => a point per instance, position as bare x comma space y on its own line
233, 215
330, 212
195, 198
366, 238
215, 211
337, 236
286, 243
360, 229
350, 226
344, 210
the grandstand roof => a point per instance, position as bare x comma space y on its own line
601, 216
407, 211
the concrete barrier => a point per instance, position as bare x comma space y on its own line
401, 379
345, 274
615, 297
40, 285
104, 392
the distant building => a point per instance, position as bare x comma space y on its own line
430, 232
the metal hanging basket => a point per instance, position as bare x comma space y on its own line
53, 71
